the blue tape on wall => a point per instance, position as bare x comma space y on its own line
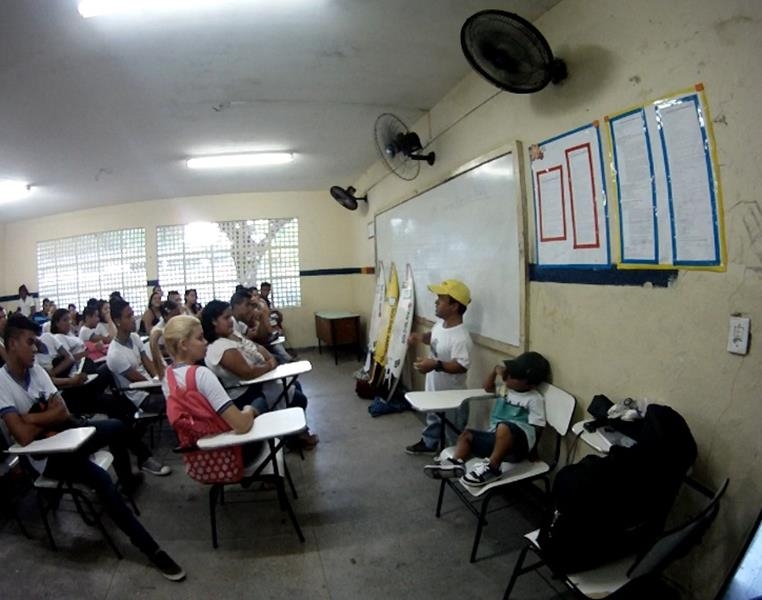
608, 276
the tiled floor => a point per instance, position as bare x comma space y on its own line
365, 507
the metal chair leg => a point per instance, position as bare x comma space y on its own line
214, 492
441, 497
44, 514
480, 525
95, 518
516, 572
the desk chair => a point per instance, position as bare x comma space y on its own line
50, 490
142, 419
268, 467
12, 486
625, 575
559, 409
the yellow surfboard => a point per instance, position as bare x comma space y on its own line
387, 318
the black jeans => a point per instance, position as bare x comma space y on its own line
90, 399
77, 467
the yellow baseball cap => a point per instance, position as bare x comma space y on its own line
457, 290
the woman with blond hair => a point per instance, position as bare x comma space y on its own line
185, 342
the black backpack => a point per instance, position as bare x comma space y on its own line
604, 508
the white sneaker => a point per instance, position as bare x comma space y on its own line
154, 467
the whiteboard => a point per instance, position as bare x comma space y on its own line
469, 227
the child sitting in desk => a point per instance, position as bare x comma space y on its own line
516, 422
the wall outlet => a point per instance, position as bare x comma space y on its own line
738, 335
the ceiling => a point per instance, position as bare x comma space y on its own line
105, 110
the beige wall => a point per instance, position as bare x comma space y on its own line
664, 344
323, 232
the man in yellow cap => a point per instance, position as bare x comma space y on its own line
447, 364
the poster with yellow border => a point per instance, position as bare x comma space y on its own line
665, 177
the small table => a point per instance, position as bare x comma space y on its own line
267, 426
338, 329
441, 401
287, 373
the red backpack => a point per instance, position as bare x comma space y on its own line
192, 417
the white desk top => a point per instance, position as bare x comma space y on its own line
267, 426
148, 384
65, 441
90, 378
441, 400
592, 438
279, 340
287, 370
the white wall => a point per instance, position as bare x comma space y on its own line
323, 242
664, 344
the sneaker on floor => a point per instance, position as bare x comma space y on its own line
154, 467
449, 468
168, 567
482, 474
420, 447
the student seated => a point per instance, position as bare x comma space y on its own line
185, 342
234, 358
31, 407
156, 345
516, 423
128, 362
95, 345
105, 329
152, 314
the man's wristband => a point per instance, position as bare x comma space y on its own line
439, 366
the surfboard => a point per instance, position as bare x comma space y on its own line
399, 332
385, 324
375, 316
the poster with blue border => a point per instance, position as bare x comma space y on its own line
665, 178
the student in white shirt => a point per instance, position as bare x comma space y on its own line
31, 406
26, 304
128, 362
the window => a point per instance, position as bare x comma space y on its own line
213, 258
73, 270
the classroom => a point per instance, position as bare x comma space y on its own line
664, 342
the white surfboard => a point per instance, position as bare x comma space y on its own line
400, 331
375, 316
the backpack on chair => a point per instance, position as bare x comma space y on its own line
192, 418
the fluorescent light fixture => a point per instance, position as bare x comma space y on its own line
11, 190
250, 159
99, 8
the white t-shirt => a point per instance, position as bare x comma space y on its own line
52, 349
121, 358
85, 333
27, 306
447, 344
216, 349
101, 329
206, 383
72, 344
20, 397
523, 409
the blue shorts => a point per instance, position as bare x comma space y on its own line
483, 442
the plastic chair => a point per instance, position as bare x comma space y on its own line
624, 574
559, 409
260, 470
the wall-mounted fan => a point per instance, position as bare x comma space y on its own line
399, 147
509, 52
346, 197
